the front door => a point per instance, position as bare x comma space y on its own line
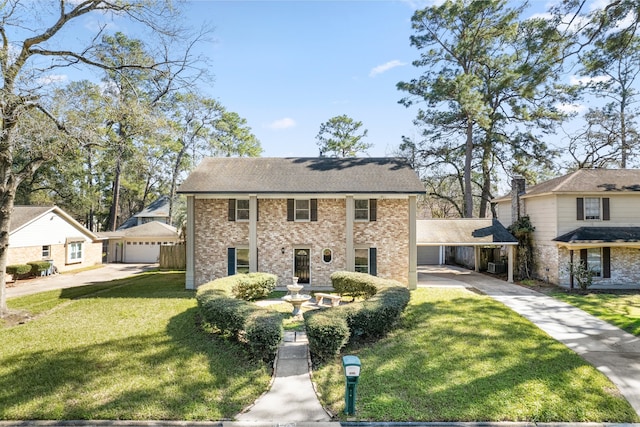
301, 264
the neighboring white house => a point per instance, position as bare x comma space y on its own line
140, 244
48, 233
156, 211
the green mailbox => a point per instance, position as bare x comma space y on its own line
351, 365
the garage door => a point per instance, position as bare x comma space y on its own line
428, 255
142, 252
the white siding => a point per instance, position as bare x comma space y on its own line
51, 229
503, 211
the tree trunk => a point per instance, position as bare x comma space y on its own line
113, 212
486, 177
468, 157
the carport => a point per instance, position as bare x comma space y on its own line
475, 232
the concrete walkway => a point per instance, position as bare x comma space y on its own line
612, 351
291, 398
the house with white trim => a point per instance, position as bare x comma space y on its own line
302, 217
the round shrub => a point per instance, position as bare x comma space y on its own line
38, 267
352, 284
327, 334
18, 270
253, 286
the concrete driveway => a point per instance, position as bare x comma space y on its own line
612, 351
94, 276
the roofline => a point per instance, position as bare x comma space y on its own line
67, 217
272, 193
597, 244
469, 244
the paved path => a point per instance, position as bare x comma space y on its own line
292, 397
94, 276
612, 351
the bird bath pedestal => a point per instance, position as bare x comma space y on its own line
295, 298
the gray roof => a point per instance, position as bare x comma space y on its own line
158, 209
601, 235
155, 229
22, 215
322, 175
463, 232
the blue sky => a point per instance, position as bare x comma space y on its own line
288, 66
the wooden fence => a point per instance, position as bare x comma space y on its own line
173, 257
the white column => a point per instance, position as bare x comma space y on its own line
190, 282
350, 256
253, 234
413, 243
476, 258
510, 255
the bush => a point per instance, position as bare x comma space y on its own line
18, 270
253, 286
330, 330
259, 328
37, 267
355, 285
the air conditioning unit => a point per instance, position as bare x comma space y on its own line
496, 267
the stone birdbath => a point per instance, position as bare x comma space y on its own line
295, 298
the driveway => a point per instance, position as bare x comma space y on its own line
612, 351
94, 276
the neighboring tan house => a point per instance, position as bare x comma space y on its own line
302, 217
592, 215
141, 243
48, 233
156, 211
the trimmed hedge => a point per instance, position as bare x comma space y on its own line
37, 267
253, 286
17, 270
257, 327
328, 331
352, 284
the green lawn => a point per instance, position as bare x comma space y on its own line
619, 309
459, 356
127, 350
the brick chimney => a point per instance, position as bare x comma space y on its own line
518, 188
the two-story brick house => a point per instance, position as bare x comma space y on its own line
302, 217
591, 215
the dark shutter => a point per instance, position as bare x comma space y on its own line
257, 210
606, 263
583, 258
373, 261
606, 212
231, 261
314, 209
373, 209
232, 209
580, 209
290, 210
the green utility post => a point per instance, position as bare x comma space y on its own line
351, 365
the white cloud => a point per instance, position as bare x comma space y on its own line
386, 67
583, 81
284, 123
571, 108
52, 79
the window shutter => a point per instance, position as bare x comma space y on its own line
232, 209
606, 263
231, 261
583, 257
314, 209
373, 209
580, 209
257, 210
290, 210
606, 212
373, 261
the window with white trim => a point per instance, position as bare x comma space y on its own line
302, 209
46, 251
74, 252
591, 208
242, 210
361, 209
362, 260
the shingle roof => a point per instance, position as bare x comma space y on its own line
22, 215
302, 175
463, 232
149, 229
601, 235
158, 209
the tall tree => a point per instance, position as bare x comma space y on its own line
32, 47
340, 136
488, 87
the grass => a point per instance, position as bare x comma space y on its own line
459, 356
619, 309
129, 349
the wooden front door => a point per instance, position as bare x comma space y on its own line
302, 265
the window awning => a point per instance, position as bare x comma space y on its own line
588, 237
